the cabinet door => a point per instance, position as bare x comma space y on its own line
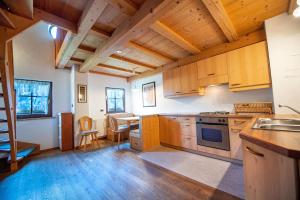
174, 127
268, 175
188, 78
167, 83
176, 85
218, 65
202, 66
163, 129
248, 66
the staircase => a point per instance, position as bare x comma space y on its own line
12, 152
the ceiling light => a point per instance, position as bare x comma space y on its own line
118, 51
296, 12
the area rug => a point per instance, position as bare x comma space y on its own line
219, 174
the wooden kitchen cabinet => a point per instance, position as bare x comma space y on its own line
181, 81
188, 79
248, 67
235, 127
268, 175
178, 131
65, 131
213, 71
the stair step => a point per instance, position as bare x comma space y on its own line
3, 131
5, 147
4, 140
23, 153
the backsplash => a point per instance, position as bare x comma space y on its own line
216, 98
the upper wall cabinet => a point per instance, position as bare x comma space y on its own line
213, 71
248, 68
181, 81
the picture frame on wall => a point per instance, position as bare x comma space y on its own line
149, 94
82, 93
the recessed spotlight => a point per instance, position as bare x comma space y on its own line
118, 51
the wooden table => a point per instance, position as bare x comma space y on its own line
129, 120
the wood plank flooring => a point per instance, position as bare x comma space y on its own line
101, 174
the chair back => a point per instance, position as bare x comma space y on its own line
86, 123
113, 123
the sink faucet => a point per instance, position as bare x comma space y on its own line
296, 111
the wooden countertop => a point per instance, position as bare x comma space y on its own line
230, 115
283, 142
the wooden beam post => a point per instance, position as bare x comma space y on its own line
218, 12
89, 16
131, 61
149, 12
168, 33
118, 68
107, 74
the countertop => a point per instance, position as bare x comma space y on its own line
283, 142
230, 115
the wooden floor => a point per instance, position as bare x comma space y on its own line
100, 174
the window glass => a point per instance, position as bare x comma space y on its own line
115, 100
33, 98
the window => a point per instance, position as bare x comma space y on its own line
115, 100
33, 98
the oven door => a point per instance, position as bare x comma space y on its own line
213, 135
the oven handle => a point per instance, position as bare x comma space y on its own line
204, 123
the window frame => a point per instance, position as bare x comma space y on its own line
33, 116
106, 100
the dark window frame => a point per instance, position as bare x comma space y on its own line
32, 116
106, 100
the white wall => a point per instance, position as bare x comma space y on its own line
217, 98
96, 96
283, 36
34, 59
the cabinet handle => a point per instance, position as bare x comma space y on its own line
211, 74
194, 90
235, 130
254, 152
235, 84
187, 125
187, 138
177, 92
238, 122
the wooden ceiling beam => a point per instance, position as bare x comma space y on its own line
89, 16
149, 12
150, 52
118, 68
90, 50
108, 74
126, 6
78, 60
5, 21
22, 23
168, 33
292, 6
99, 32
131, 61
219, 14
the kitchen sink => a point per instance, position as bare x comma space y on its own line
277, 124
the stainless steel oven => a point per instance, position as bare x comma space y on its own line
213, 132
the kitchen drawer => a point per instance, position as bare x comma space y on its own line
188, 129
191, 120
238, 123
135, 143
189, 142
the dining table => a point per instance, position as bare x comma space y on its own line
129, 120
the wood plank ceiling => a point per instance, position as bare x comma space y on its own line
154, 37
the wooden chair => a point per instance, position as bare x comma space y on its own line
115, 128
86, 130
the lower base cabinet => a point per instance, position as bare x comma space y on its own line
269, 175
